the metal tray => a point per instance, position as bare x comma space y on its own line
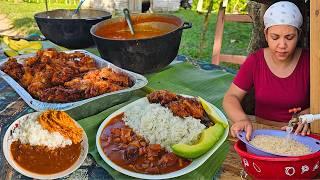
83, 108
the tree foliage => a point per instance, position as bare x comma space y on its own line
234, 6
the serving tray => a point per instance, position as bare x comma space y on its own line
83, 108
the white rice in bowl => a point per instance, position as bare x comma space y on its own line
158, 125
280, 145
31, 132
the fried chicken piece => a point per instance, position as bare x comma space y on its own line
162, 96
62, 75
100, 87
13, 69
185, 107
60, 94
27, 77
59, 121
94, 84
36, 89
86, 64
50, 53
31, 61
117, 78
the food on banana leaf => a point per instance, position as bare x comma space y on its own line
15, 47
160, 134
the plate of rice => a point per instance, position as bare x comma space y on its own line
277, 143
45, 145
139, 139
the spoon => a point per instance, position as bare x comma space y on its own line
128, 19
78, 8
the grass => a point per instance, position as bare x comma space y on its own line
21, 14
235, 41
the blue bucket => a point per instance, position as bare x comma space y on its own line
311, 143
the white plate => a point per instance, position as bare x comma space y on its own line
195, 163
7, 153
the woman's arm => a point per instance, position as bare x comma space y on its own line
232, 106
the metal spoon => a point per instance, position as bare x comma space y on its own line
78, 8
128, 19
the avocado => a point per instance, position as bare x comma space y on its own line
11, 53
213, 115
208, 138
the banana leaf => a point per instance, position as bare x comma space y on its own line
190, 79
182, 78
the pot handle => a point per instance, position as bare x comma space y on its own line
186, 25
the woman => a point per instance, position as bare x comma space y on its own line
279, 74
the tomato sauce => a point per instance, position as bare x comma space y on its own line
143, 27
42, 160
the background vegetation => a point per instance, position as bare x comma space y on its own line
235, 41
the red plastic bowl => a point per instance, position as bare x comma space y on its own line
262, 167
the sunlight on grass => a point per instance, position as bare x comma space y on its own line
21, 14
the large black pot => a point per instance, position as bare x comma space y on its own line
141, 54
60, 27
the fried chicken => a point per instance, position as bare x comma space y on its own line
185, 107
97, 82
53, 76
162, 96
60, 94
180, 106
13, 69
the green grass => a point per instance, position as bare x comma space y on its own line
22, 14
235, 41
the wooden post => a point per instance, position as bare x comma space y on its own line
315, 62
218, 36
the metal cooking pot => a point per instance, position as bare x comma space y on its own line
60, 27
140, 54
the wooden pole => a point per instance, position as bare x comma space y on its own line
315, 62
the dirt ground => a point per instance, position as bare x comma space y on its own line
6, 27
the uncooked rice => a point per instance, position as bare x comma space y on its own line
31, 132
280, 145
158, 125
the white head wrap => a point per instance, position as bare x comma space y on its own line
283, 13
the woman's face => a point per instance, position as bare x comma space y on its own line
282, 40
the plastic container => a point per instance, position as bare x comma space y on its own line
263, 167
311, 143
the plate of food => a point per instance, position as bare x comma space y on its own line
163, 135
71, 81
45, 145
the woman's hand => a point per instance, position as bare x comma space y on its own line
302, 128
242, 125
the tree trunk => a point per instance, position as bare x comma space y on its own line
256, 12
205, 27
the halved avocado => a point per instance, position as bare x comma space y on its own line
208, 138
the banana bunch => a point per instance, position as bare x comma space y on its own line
16, 47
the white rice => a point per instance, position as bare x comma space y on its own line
158, 125
280, 145
31, 132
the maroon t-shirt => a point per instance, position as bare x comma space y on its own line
274, 96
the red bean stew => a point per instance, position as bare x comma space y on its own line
132, 152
